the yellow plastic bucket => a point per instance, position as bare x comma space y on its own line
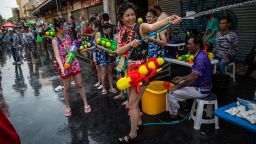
154, 98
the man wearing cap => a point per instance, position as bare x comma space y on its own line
12, 41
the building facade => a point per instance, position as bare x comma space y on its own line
243, 18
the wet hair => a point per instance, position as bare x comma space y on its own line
82, 17
71, 17
56, 24
157, 8
227, 19
197, 40
123, 7
92, 19
105, 17
154, 13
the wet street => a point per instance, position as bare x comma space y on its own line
36, 111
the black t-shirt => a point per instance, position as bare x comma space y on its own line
141, 51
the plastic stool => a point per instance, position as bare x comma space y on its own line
197, 112
233, 73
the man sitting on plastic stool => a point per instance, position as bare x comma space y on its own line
195, 85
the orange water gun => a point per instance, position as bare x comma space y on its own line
139, 74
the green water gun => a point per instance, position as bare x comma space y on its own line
84, 45
70, 57
185, 57
106, 43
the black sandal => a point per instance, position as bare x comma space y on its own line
127, 140
140, 128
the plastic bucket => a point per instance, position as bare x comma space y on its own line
154, 98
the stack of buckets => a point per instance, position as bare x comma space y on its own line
154, 98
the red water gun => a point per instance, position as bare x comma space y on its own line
139, 74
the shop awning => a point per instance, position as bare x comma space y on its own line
46, 4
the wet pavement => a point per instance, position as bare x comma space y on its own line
36, 111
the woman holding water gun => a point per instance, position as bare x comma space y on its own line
60, 52
104, 60
128, 39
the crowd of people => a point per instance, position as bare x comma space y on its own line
217, 38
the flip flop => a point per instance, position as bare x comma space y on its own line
104, 92
113, 91
67, 112
87, 109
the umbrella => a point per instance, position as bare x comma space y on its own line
9, 24
30, 23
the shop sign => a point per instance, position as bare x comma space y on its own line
89, 3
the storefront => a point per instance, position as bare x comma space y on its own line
92, 8
243, 20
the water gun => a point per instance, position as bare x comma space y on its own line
78, 28
140, 20
139, 74
84, 45
106, 43
70, 56
51, 32
186, 57
210, 55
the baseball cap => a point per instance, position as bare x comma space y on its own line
10, 29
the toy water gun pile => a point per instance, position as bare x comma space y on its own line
189, 58
139, 74
110, 45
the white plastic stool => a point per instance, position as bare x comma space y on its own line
197, 111
233, 73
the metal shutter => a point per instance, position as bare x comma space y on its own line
169, 6
95, 9
245, 30
243, 19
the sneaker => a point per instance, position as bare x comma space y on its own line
67, 112
100, 87
59, 88
97, 84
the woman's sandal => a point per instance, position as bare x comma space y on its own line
140, 128
127, 140
119, 97
87, 109
113, 90
104, 92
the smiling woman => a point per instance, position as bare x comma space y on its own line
129, 34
